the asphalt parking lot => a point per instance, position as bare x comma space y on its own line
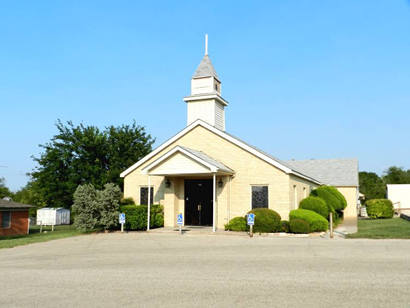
154, 269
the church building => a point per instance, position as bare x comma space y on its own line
210, 176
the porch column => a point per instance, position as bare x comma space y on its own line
214, 203
149, 202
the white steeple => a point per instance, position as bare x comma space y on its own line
205, 101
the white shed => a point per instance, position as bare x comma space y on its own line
399, 195
53, 216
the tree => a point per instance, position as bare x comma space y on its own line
85, 208
109, 201
396, 175
29, 195
4, 190
371, 185
94, 208
84, 154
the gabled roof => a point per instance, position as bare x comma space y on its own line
336, 172
13, 205
205, 69
267, 158
198, 156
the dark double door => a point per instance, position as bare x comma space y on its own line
198, 202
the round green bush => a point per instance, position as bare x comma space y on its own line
316, 222
333, 198
315, 204
284, 226
299, 226
237, 224
339, 196
379, 208
266, 220
330, 200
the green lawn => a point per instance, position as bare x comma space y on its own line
35, 236
383, 229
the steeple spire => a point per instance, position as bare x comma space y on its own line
205, 101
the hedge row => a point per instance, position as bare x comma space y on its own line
136, 216
266, 221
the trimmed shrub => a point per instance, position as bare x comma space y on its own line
379, 208
266, 220
127, 201
136, 216
316, 221
331, 196
330, 200
284, 226
339, 196
315, 204
237, 224
299, 226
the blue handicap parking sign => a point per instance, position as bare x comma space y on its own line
179, 219
122, 218
251, 219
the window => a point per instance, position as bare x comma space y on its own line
260, 197
144, 195
5, 219
295, 197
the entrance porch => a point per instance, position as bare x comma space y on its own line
195, 185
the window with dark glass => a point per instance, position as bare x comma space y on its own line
144, 195
5, 219
260, 197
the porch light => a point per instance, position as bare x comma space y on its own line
220, 183
167, 183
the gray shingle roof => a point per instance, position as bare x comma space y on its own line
208, 159
205, 69
293, 168
336, 172
13, 205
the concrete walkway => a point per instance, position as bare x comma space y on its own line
348, 226
196, 270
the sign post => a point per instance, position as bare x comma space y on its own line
331, 224
251, 222
122, 221
179, 222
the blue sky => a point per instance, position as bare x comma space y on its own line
305, 79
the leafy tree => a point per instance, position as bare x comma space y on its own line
396, 175
84, 154
109, 201
371, 185
4, 190
94, 208
29, 195
86, 209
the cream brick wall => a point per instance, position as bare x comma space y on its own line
249, 170
351, 195
303, 189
